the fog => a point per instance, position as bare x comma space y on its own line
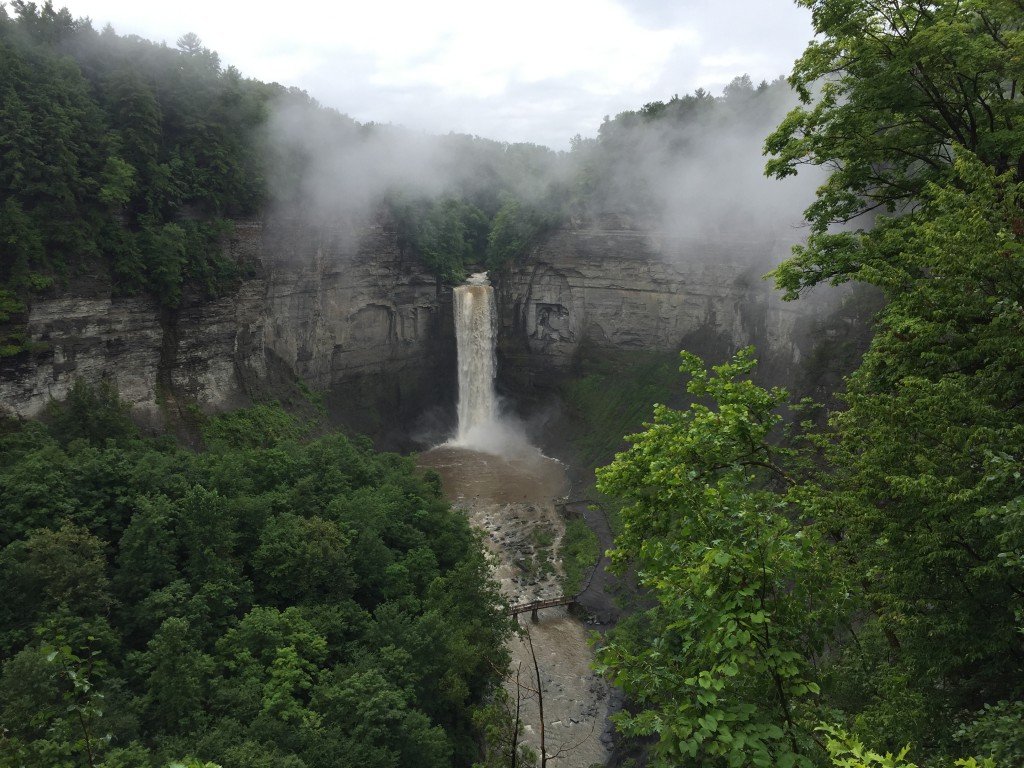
326, 167
693, 168
689, 168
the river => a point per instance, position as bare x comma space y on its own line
512, 501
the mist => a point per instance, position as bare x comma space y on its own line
689, 169
692, 168
326, 167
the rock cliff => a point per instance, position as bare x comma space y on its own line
343, 314
605, 287
339, 310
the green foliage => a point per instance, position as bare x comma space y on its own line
12, 338
445, 233
996, 732
579, 552
261, 426
611, 398
848, 752
721, 670
889, 89
488, 222
923, 488
118, 182
905, 545
450, 236
273, 601
95, 414
517, 227
119, 155
54, 711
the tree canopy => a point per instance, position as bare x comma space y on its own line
276, 600
890, 90
120, 151
880, 550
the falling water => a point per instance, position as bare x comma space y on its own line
504, 484
474, 337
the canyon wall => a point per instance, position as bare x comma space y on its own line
338, 311
343, 316
605, 287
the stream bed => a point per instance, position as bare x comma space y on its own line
511, 499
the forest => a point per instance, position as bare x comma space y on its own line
826, 585
850, 584
278, 599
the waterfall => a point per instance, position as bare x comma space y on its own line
474, 338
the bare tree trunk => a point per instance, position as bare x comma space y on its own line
515, 724
540, 701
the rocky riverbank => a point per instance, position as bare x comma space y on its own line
512, 501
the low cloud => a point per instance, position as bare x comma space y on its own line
459, 64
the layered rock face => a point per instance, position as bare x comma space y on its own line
340, 308
365, 323
343, 312
600, 288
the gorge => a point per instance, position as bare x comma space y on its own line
313, 431
346, 312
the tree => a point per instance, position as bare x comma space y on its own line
55, 576
190, 44
93, 413
889, 88
917, 107
923, 488
178, 676
516, 228
302, 560
721, 667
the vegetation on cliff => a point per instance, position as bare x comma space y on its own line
120, 152
274, 600
453, 235
868, 574
125, 162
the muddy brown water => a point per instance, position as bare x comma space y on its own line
512, 501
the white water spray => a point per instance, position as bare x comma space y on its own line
474, 338
481, 425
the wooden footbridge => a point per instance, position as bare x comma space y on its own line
537, 605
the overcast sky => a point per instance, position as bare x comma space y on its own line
530, 70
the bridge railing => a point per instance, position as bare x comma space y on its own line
537, 605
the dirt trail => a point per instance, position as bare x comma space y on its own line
512, 500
